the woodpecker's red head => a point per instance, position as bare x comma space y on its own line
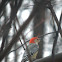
34, 40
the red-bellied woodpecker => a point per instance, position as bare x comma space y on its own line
33, 49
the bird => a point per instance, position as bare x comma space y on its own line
33, 49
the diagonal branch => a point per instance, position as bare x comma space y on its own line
19, 37
55, 17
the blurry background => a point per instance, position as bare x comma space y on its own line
42, 23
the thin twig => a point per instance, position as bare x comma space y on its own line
18, 47
17, 21
41, 36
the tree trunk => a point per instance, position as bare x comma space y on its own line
40, 17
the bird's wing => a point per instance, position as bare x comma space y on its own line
33, 48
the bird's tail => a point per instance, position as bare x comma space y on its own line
23, 60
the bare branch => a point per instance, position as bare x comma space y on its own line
58, 58
15, 38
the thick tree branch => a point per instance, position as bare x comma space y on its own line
58, 58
